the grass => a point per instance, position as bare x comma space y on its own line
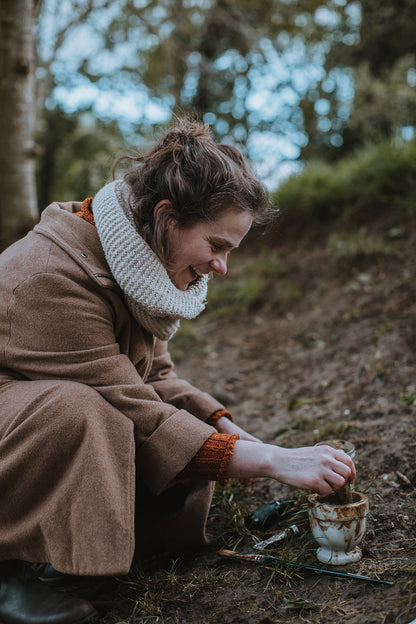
252, 282
329, 428
407, 398
162, 592
185, 340
357, 245
165, 593
248, 287
230, 508
408, 604
159, 594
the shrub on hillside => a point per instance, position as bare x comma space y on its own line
355, 189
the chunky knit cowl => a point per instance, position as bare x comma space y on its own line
152, 298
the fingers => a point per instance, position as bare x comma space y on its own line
341, 463
321, 469
328, 485
337, 468
346, 461
324, 489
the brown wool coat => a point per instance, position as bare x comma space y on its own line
95, 426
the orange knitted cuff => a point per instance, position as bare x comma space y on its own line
212, 420
86, 211
212, 459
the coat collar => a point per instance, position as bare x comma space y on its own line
77, 238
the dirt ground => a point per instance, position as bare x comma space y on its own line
335, 361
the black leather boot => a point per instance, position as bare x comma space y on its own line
26, 600
46, 573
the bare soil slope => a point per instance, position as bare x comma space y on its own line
339, 361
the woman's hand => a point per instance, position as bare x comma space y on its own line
322, 469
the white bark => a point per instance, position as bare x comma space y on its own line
18, 209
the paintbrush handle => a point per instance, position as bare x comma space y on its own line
270, 560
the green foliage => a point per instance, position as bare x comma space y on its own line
235, 297
185, 340
366, 91
387, 32
247, 290
407, 398
296, 402
359, 244
331, 76
252, 281
360, 281
77, 152
154, 593
356, 189
383, 105
229, 507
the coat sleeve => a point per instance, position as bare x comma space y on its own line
62, 329
177, 391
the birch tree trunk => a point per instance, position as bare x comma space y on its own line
18, 209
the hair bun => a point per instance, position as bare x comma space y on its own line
183, 137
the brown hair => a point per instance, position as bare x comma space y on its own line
200, 178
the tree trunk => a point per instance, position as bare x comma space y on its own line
18, 209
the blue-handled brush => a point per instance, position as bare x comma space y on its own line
268, 560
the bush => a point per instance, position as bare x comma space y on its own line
356, 189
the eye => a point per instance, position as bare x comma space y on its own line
215, 247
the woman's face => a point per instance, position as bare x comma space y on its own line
204, 247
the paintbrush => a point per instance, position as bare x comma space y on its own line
277, 537
268, 560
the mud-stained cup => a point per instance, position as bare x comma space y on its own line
342, 445
338, 529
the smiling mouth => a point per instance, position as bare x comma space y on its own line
197, 275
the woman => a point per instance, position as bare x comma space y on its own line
104, 450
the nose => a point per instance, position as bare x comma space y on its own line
219, 265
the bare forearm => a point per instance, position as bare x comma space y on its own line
321, 469
225, 425
249, 460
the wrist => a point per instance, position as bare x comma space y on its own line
274, 460
224, 425
251, 460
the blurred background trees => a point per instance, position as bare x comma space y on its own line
292, 81
18, 209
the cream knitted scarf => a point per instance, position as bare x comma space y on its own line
151, 297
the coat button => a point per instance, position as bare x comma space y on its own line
83, 254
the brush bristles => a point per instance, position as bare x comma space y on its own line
227, 553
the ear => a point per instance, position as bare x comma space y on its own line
162, 209
164, 216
